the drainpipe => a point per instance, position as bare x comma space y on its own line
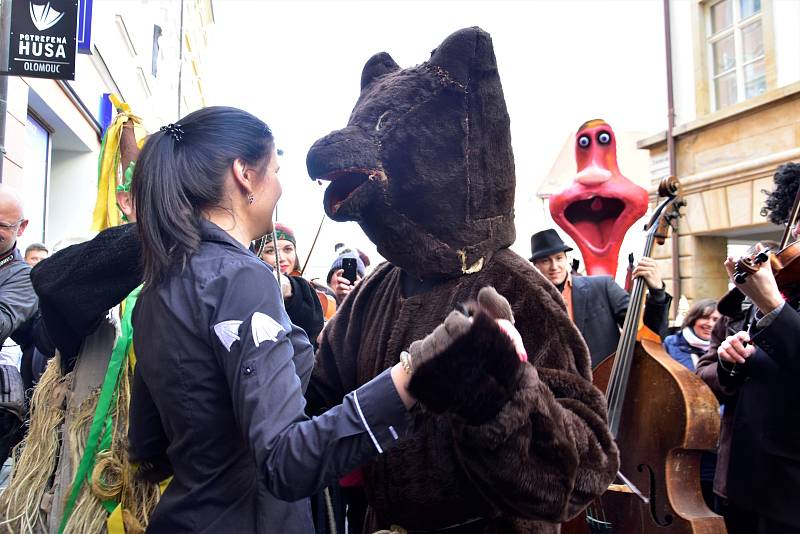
180, 63
676, 264
5, 38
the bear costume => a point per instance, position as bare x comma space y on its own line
425, 167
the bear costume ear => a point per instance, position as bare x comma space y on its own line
464, 49
378, 65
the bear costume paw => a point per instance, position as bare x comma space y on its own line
474, 377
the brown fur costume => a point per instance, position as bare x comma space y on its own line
425, 166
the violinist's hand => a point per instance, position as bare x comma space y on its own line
759, 286
733, 349
647, 268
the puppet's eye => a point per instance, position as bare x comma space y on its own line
584, 141
604, 138
381, 121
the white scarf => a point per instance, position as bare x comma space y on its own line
694, 341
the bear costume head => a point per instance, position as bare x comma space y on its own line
425, 164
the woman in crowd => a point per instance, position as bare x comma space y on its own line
302, 301
688, 345
217, 398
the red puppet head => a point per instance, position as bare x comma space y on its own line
601, 204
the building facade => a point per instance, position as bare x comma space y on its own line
736, 84
53, 128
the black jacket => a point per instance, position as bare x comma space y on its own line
304, 308
764, 471
599, 306
218, 401
79, 284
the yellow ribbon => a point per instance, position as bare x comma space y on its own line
114, 523
106, 214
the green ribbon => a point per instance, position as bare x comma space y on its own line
101, 431
125, 187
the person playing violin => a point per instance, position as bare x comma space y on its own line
760, 367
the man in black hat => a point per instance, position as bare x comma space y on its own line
596, 304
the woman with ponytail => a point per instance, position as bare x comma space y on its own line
221, 371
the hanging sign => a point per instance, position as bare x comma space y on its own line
43, 40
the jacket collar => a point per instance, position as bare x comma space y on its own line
211, 232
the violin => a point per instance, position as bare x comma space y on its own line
785, 263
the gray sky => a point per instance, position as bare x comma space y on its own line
297, 65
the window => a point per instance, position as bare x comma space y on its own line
736, 50
34, 188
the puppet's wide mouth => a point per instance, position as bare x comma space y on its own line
595, 219
343, 185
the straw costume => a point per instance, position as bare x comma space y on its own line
72, 473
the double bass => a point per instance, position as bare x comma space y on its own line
662, 417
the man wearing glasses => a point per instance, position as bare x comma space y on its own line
18, 304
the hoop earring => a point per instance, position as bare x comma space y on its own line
250, 198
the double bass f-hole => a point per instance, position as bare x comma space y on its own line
653, 501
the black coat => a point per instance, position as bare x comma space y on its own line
304, 309
764, 471
218, 401
599, 306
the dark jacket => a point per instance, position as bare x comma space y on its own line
759, 442
18, 311
218, 401
304, 309
726, 391
599, 306
79, 284
18, 302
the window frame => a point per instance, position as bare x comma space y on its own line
45, 201
735, 29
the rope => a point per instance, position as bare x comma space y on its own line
329, 509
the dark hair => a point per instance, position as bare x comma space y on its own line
779, 203
178, 176
35, 246
701, 308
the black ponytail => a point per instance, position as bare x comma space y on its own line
180, 172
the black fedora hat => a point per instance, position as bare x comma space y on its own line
546, 243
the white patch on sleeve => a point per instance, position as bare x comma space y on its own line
228, 332
264, 328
